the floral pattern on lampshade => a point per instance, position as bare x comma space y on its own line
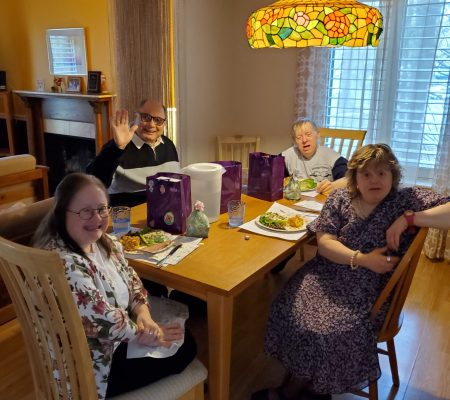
289, 23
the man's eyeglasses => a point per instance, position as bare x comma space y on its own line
144, 117
87, 213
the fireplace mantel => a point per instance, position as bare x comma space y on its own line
72, 107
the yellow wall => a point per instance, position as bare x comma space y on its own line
14, 49
23, 47
224, 87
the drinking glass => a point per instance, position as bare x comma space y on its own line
121, 219
236, 211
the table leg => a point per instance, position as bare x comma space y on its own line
220, 319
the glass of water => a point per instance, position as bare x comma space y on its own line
121, 219
236, 212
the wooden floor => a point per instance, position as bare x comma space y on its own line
423, 344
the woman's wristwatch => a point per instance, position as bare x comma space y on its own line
409, 216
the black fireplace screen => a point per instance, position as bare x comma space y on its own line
66, 154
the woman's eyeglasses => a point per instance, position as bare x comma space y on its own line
144, 117
88, 213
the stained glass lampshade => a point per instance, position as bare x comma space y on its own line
302, 23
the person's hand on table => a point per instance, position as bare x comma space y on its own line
122, 133
324, 187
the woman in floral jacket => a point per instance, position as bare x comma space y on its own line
108, 293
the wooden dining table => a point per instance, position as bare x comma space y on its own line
225, 264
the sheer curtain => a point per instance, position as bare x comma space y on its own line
398, 91
143, 39
312, 76
435, 245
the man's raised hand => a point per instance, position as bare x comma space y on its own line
122, 133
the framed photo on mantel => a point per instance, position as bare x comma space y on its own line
94, 81
74, 84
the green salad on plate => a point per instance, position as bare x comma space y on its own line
307, 184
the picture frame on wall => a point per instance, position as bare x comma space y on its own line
73, 84
94, 81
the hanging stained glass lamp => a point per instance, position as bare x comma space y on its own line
302, 23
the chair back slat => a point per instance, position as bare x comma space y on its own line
397, 287
237, 148
50, 320
344, 141
19, 226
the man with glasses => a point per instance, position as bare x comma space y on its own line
134, 153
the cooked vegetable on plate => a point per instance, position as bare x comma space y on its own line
281, 222
146, 239
130, 243
150, 237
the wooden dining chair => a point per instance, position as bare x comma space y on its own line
54, 335
237, 148
395, 291
344, 141
19, 225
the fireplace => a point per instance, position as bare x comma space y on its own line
66, 130
72, 114
66, 154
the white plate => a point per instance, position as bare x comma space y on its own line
305, 192
289, 230
139, 251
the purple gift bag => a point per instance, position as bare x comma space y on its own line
265, 176
231, 183
168, 201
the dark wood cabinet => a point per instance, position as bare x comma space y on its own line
7, 147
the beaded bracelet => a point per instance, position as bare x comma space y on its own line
352, 259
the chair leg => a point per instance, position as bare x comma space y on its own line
373, 390
393, 362
302, 253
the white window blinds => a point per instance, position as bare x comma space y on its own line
64, 57
399, 91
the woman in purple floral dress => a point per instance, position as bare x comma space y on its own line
109, 295
319, 326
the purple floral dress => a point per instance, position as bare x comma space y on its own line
319, 325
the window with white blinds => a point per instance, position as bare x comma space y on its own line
399, 91
64, 57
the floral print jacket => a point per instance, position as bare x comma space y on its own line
104, 322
